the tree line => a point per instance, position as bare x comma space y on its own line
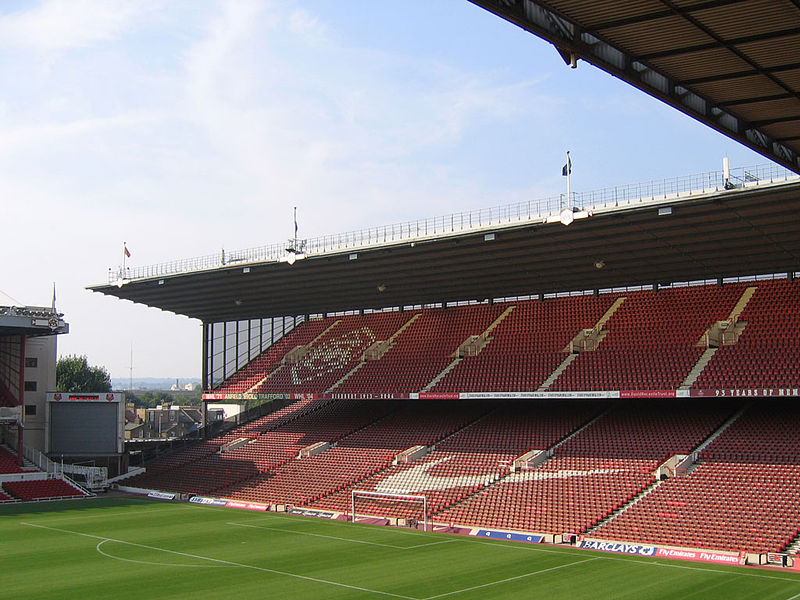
75, 375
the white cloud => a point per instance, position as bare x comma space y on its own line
63, 24
28, 137
303, 119
193, 126
303, 23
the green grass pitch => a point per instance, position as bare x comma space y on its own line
122, 548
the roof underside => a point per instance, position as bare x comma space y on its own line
727, 234
13, 325
732, 64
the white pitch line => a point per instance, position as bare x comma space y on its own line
532, 548
227, 562
529, 548
333, 537
706, 570
150, 563
507, 579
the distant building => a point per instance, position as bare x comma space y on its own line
188, 387
169, 422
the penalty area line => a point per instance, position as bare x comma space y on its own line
515, 578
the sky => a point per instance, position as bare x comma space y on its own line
185, 127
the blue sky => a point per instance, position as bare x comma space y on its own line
186, 127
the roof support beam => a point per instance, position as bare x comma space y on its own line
720, 44
567, 36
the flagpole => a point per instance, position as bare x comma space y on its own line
569, 177
124, 257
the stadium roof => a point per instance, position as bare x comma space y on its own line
732, 64
727, 233
31, 321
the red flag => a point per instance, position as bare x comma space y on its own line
127, 252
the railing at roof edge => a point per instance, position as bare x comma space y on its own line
529, 211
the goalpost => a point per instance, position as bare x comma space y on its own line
376, 503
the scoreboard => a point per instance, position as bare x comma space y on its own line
84, 424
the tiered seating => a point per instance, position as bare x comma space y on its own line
8, 462
744, 496
273, 420
39, 489
651, 344
202, 476
244, 379
423, 350
209, 447
565, 494
173, 461
730, 506
527, 346
768, 351
594, 473
4, 497
335, 353
653, 430
269, 449
766, 433
473, 458
357, 456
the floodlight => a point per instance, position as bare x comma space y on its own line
568, 215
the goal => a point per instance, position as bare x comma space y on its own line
404, 507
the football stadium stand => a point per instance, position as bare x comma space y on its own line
473, 458
767, 353
528, 346
744, 494
737, 335
40, 489
597, 471
417, 403
8, 462
28, 483
735, 506
320, 364
580, 466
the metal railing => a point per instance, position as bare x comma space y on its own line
95, 477
522, 212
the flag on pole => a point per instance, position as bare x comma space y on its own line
567, 168
127, 252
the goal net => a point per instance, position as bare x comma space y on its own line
409, 510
